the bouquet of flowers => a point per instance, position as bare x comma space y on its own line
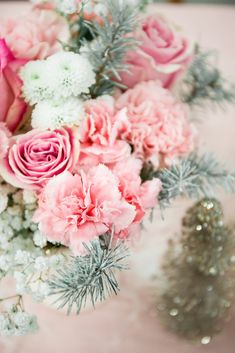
96, 130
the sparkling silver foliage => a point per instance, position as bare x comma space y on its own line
204, 83
194, 176
90, 277
112, 41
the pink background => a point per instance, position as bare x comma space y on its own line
129, 323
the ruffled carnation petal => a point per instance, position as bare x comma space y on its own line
77, 208
160, 130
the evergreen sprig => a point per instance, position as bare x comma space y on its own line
194, 176
204, 83
91, 276
144, 3
107, 51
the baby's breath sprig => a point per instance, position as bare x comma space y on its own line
15, 321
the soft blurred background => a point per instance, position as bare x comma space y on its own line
222, 2
129, 323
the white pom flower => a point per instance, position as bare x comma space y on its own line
67, 7
52, 115
62, 75
71, 73
36, 82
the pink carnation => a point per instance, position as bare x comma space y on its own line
143, 196
159, 123
4, 140
100, 132
35, 157
34, 35
77, 208
162, 55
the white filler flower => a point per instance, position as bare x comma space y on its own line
62, 75
54, 114
71, 73
67, 7
36, 86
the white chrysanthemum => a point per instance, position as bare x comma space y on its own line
67, 7
71, 73
36, 82
52, 115
62, 75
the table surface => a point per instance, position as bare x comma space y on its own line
129, 323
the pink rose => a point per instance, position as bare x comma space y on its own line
35, 157
12, 107
159, 123
77, 208
34, 35
163, 53
4, 140
99, 133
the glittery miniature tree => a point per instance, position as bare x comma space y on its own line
199, 287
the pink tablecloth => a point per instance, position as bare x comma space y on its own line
129, 323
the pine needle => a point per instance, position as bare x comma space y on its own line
91, 276
204, 83
195, 176
107, 51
